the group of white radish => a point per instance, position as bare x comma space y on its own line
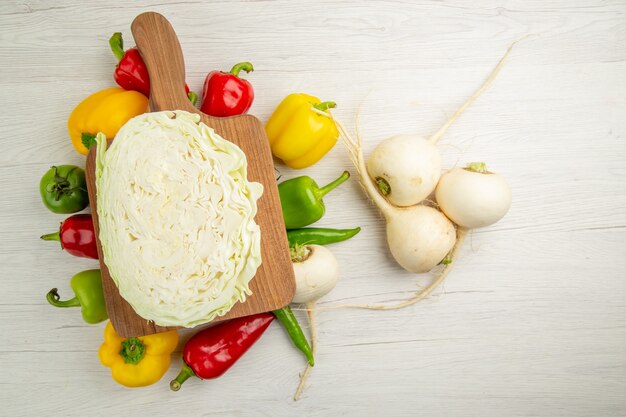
401, 177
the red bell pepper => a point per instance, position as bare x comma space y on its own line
77, 236
225, 94
212, 351
131, 72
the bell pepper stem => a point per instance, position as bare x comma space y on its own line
54, 299
185, 373
61, 184
325, 105
193, 97
331, 186
52, 236
88, 139
242, 66
117, 45
133, 350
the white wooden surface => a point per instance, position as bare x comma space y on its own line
532, 322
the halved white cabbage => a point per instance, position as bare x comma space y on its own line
176, 215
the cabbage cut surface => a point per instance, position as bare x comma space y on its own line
176, 215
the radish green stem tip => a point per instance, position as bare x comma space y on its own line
479, 167
299, 253
383, 186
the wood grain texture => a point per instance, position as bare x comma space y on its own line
532, 321
273, 285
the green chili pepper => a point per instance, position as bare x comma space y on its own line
301, 199
63, 189
87, 286
319, 236
290, 323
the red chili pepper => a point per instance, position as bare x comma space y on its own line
77, 236
131, 72
212, 351
225, 94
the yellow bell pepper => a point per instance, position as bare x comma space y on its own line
105, 111
299, 132
137, 361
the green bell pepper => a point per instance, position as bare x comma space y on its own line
87, 286
301, 199
63, 189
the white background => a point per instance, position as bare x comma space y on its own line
532, 322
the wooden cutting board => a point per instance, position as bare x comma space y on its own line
273, 285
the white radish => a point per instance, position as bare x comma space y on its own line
317, 271
419, 237
473, 197
406, 169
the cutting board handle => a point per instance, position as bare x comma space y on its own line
159, 47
